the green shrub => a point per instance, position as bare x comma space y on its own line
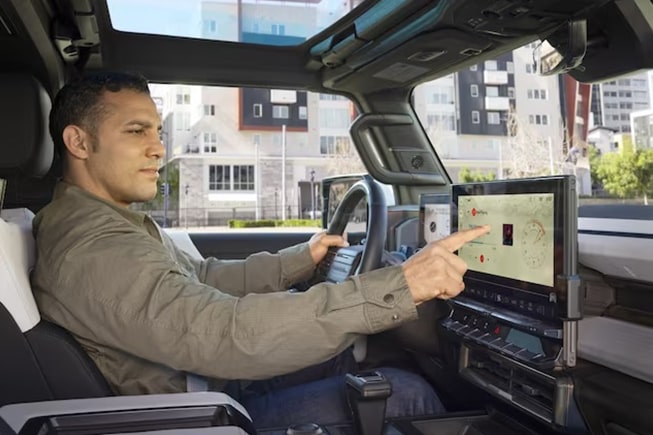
237, 223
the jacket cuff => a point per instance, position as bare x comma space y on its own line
296, 263
389, 300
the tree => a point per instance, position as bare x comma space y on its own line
468, 176
344, 159
595, 162
173, 189
528, 154
628, 174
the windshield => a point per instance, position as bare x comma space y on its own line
500, 119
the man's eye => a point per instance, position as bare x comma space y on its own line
136, 131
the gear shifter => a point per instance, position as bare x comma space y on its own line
367, 393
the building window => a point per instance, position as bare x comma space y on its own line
491, 65
473, 90
492, 91
333, 144
510, 66
538, 119
332, 97
280, 112
511, 92
493, 118
258, 110
441, 121
473, 68
530, 69
210, 26
243, 177
219, 177
182, 121
210, 143
303, 112
476, 117
183, 96
226, 178
278, 29
209, 110
537, 94
334, 117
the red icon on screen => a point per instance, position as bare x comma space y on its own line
473, 212
482, 258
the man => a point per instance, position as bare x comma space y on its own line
148, 314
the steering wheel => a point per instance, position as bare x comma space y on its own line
377, 221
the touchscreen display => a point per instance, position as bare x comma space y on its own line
520, 244
527, 262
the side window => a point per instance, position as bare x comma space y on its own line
248, 155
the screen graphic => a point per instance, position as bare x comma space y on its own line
520, 244
437, 222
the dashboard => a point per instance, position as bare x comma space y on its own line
515, 324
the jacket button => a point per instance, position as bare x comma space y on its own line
388, 299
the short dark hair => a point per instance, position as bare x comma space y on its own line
79, 102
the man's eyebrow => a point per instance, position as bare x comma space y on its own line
141, 123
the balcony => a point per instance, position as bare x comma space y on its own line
495, 77
497, 103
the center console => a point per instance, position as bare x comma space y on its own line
515, 325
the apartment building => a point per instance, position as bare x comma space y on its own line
469, 115
613, 101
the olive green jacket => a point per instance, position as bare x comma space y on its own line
147, 313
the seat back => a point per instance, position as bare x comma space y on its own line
38, 361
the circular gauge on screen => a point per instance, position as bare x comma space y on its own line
534, 243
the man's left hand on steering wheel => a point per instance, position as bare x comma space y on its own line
320, 243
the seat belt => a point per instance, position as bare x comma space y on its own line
196, 383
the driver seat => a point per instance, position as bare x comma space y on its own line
40, 361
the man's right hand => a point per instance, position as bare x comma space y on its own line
435, 271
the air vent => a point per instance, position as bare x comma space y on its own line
425, 56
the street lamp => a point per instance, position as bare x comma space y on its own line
166, 186
312, 194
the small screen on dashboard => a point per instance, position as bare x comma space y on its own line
520, 244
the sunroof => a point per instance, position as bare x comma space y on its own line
271, 22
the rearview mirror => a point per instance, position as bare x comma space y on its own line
558, 58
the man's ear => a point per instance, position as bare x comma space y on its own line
77, 142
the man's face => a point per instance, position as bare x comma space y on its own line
123, 167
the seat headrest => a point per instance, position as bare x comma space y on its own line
25, 145
17, 257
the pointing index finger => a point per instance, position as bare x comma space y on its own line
457, 240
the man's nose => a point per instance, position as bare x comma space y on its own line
157, 149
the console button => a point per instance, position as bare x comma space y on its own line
525, 355
488, 338
476, 334
455, 326
498, 343
512, 349
465, 330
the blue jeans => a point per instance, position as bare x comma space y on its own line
317, 395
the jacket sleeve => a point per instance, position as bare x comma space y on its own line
131, 294
259, 273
